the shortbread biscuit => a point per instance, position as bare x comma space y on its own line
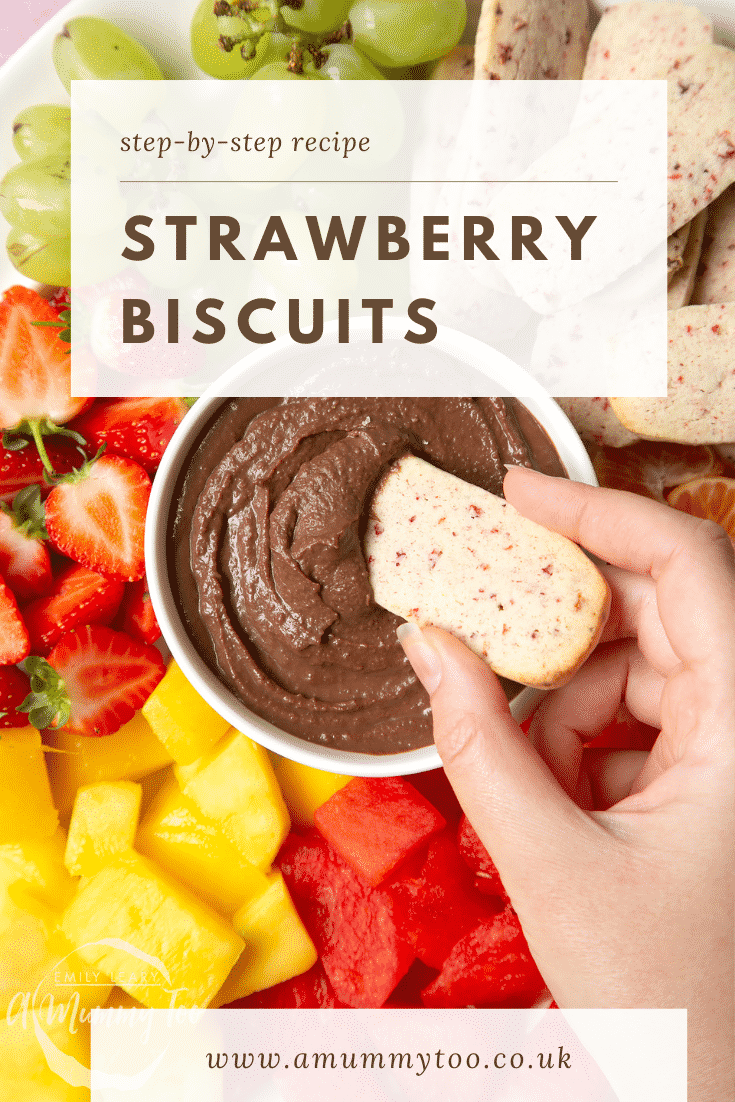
682, 285
716, 276
700, 407
443, 552
675, 247
595, 421
639, 41
531, 40
701, 120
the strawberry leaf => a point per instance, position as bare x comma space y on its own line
47, 704
27, 513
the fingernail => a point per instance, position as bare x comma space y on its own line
422, 656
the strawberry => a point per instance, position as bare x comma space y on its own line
21, 467
95, 679
24, 560
60, 300
35, 372
139, 428
96, 516
137, 617
15, 643
14, 687
79, 596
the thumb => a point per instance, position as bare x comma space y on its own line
537, 837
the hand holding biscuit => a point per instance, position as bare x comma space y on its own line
619, 865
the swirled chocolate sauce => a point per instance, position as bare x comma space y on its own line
265, 552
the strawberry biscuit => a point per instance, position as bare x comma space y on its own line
443, 552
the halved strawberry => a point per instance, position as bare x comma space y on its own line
24, 560
95, 679
139, 428
35, 370
21, 468
14, 687
79, 596
137, 617
15, 644
96, 516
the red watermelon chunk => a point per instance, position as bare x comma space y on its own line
375, 823
446, 905
362, 934
309, 991
489, 966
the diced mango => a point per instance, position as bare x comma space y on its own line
176, 835
186, 725
26, 1073
37, 960
180, 950
236, 787
120, 1000
305, 789
277, 947
39, 862
26, 807
128, 755
103, 823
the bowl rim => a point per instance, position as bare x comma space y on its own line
455, 344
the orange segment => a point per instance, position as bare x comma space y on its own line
650, 468
710, 498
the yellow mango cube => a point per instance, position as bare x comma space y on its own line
120, 1000
26, 807
305, 789
236, 787
37, 962
179, 951
277, 946
39, 862
129, 754
103, 823
27, 1074
176, 835
186, 725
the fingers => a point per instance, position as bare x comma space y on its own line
611, 774
690, 560
518, 809
634, 615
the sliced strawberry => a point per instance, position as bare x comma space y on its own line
15, 644
136, 616
139, 428
79, 596
95, 679
35, 370
24, 560
60, 300
96, 516
14, 687
23, 467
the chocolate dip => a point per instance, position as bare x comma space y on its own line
265, 552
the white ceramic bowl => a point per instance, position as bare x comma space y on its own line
472, 354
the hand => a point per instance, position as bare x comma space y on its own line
619, 864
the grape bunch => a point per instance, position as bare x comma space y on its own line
35, 195
321, 39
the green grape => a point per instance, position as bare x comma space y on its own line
344, 62
43, 259
278, 70
229, 64
35, 196
406, 32
41, 130
314, 15
94, 49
